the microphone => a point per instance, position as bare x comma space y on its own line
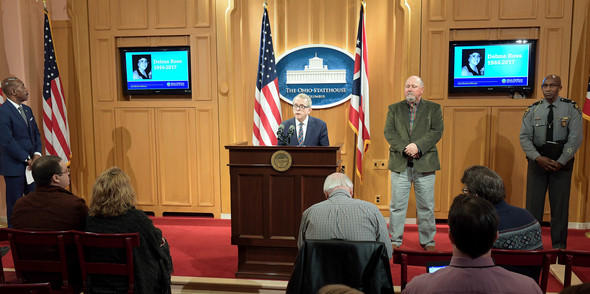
290, 133
280, 135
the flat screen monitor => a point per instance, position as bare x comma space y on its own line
156, 70
492, 66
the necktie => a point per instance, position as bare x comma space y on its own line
549, 136
22, 113
300, 134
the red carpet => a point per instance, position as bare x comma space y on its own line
201, 247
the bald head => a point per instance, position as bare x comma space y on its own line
8, 84
551, 87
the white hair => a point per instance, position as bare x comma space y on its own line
336, 180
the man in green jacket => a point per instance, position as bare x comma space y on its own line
413, 127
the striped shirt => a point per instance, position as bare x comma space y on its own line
342, 217
413, 109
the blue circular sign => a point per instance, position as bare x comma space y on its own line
323, 72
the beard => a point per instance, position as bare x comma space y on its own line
410, 97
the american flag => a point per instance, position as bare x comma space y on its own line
1, 97
267, 108
586, 110
55, 116
358, 115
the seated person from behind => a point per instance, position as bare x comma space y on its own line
518, 229
342, 217
112, 210
473, 228
51, 208
309, 131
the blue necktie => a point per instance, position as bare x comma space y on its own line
300, 134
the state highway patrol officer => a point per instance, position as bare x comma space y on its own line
550, 135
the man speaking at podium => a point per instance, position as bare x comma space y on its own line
303, 129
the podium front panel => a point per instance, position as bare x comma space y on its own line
266, 204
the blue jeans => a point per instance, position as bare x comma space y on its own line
401, 183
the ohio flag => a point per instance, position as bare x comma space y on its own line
358, 115
586, 110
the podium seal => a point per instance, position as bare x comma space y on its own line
281, 160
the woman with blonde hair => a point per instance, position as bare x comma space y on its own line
112, 210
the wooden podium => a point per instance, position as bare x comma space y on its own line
266, 203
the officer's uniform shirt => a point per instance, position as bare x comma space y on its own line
567, 126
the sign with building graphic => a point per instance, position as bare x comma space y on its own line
321, 71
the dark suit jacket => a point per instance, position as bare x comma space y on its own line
428, 129
17, 141
316, 134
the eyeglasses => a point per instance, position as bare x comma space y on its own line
63, 172
299, 106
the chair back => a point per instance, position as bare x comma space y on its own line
38, 256
406, 257
521, 258
33, 288
91, 241
573, 258
3, 237
363, 265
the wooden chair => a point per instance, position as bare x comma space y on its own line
406, 257
43, 254
541, 258
35, 288
572, 258
92, 241
3, 237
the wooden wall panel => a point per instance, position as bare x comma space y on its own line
436, 10
176, 154
466, 141
518, 9
105, 139
436, 56
207, 193
471, 34
131, 14
202, 77
135, 145
555, 9
101, 16
472, 10
331, 13
170, 14
103, 52
518, 33
202, 13
506, 156
553, 38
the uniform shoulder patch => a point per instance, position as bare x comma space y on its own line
573, 103
526, 112
532, 105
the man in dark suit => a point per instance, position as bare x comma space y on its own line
413, 127
20, 141
309, 131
